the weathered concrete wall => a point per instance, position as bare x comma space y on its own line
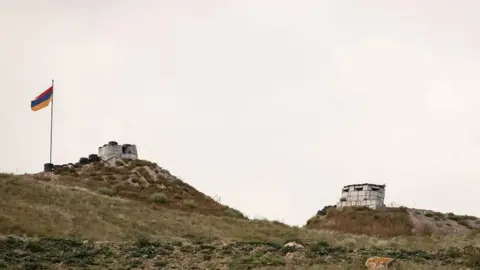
362, 195
110, 152
129, 151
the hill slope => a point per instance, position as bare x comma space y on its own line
70, 221
390, 222
141, 181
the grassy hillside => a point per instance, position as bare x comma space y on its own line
92, 217
390, 222
141, 181
363, 220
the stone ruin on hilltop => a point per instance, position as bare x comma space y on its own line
369, 195
112, 151
108, 153
358, 195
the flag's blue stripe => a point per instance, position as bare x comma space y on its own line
40, 100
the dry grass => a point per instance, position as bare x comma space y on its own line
33, 208
387, 222
145, 253
402, 265
55, 208
44, 209
141, 181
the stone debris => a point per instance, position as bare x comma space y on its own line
294, 245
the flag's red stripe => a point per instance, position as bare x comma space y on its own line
46, 92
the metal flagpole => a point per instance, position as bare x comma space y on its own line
51, 124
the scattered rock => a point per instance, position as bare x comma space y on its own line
380, 263
19, 252
152, 174
294, 245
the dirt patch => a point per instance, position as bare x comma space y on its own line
431, 222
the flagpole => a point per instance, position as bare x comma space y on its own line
51, 123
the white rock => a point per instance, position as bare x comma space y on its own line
294, 244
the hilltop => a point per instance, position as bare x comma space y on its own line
137, 215
141, 181
393, 221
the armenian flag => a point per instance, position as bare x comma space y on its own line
43, 100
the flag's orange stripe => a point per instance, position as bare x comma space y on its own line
41, 105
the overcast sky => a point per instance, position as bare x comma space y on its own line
271, 105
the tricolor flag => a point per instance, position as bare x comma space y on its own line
43, 100
40, 102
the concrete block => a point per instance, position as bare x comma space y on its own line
108, 152
372, 197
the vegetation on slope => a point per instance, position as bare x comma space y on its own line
141, 181
386, 222
393, 221
38, 208
68, 224
47, 253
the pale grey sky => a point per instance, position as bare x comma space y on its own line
272, 105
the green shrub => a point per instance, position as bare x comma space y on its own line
6, 175
143, 241
139, 163
106, 191
159, 198
473, 256
232, 212
465, 223
62, 170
